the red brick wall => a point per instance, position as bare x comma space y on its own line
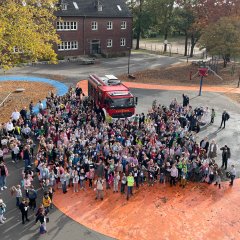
84, 35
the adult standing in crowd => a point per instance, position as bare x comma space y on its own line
185, 100
226, 154
212, 150
225, 117
130, 184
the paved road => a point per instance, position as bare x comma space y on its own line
73, 72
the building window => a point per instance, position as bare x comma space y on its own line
74, 45
64, 46
64, 6
66, 26
109, 25
123, 42
94, 25
124, 25
109, 43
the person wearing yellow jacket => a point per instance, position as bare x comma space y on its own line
130, 184
46, 202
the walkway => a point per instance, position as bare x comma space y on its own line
83, 85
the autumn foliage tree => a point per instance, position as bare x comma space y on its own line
27, 32
223, 38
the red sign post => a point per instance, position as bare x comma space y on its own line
203, 72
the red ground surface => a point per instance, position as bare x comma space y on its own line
197, 212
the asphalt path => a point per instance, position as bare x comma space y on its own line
59, 227
73, 72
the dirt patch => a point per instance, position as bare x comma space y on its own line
34, 91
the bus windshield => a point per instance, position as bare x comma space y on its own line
121, 102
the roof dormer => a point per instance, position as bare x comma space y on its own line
98, 6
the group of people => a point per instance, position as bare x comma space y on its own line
78, 146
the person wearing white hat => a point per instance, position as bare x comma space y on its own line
2, 211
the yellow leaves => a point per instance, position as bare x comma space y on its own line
29, 28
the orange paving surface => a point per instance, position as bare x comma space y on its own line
200, 211
84, 86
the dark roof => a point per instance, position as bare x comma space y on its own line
89, 8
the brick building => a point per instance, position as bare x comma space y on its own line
94, 27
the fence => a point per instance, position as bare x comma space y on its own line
173, 48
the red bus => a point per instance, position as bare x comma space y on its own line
110, 95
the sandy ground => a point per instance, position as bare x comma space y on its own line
33, 92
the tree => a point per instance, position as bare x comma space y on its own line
141, 18
162, 12
27, 32
183, 21
206, 12
222, 38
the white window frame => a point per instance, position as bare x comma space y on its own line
109, 25
67, 26
124, 25
68, 45
109, 43
73, 25
122, 42
74, 45
94, 25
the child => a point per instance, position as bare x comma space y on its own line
18, 194
24, 210
91, 176
46, 202
183, 178
123, 183
115, 182
51, 192
150, 178
75, 181
2, 211
40, 216
82, 179
213, 114
141, 177
162, 174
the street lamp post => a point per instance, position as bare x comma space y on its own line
129, 56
